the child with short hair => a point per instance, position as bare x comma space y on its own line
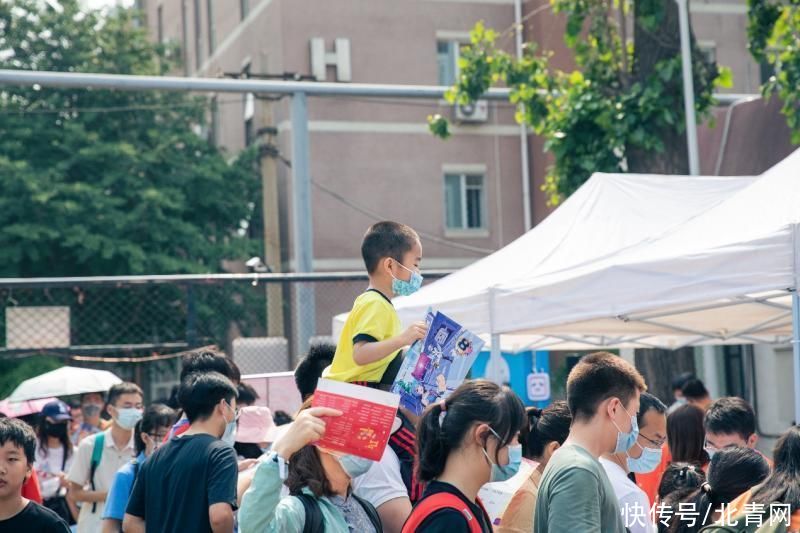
17, 450
372, 337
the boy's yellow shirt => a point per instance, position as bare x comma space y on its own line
373, 319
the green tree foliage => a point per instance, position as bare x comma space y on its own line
620, 110
774, 34
104, 182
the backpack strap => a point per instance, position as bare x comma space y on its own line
313, 522
97, 455
436, 502
372, 513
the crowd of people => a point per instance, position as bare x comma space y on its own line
610, 458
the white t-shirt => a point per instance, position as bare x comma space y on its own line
48, 467
634, 506
382, 482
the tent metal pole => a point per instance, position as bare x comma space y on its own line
796, 353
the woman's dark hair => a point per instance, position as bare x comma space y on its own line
733, 471
306, 470
58, 429
783, 485
248, 450
680, 478
545, 426
443, 425
156, 416
686, 435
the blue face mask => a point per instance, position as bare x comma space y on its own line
354, 466
645, 463
503, 473
406, 288
229, 437
626, 440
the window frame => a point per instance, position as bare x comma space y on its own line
463, 172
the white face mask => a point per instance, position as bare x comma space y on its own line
128, 417
229, 436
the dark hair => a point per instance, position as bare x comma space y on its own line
731, 415
20, 434
248, 450
597, 377
474, 402
648, 402
680, 477
281, 418
694, 389
319, 356
545, 426
119, 389
679, 481
783, 484
306, 470
680, 381
156, 416
686, 435
386, 239
732, 472
209, 361
247, 394
63, 437
200, 392
85, 394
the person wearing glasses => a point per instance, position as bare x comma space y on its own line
189, 483
147, 436
642, 457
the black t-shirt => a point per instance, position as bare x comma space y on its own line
34, 518
451, 520
181, 480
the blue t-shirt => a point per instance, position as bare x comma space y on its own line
121, 487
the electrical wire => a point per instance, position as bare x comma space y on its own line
378, 217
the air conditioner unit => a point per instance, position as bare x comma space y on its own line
475, 112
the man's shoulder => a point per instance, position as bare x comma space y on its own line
572, 460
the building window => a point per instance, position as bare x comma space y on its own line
244, 8
447, 61
708, 49
465, 201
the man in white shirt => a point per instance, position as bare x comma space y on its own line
643, 457
383, 487
125, 407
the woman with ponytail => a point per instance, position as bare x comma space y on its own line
463, 443
546, 431
732, 472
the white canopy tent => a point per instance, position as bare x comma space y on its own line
611, 212
721, 270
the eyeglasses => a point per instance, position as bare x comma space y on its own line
655, 443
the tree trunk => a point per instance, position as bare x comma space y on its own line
659, 367
650, 48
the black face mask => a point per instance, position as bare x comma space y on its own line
55, 430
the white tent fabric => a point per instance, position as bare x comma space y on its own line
726, 273
611, 213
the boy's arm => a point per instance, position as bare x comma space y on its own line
365, 352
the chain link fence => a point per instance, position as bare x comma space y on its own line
139, 326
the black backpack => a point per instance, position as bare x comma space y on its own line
314, 524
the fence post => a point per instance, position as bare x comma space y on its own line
191, 317
304, 305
